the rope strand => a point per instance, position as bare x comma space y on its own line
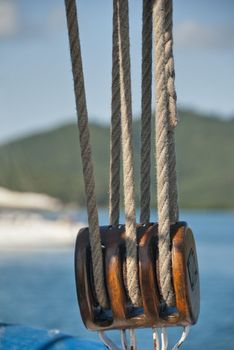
82, 115
146, 110
172, 111
115, 137
122, 125
162, 151
126, 126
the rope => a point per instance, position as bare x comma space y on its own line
172, 112
169, 64
126, 126
115, 139
146, 109
165, 146
82, 115
162, 151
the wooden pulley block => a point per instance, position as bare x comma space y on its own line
121, 314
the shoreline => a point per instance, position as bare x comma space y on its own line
31, 231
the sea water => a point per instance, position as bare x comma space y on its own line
38, 288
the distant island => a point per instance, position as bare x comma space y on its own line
49, 162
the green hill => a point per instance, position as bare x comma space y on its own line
49, 162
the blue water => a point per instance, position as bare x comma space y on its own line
38, 288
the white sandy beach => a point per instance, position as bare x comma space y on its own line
32, 232
22, 229
27, 200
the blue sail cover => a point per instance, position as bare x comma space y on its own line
28, 338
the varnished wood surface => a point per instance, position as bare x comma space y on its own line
121, 314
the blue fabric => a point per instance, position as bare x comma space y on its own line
28, 338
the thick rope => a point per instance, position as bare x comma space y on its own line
79, 88
126, 126
115, 137
169, 64
172, 110
146, 110
173, 194
162, 151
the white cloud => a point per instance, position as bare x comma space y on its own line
194, 35
9, 23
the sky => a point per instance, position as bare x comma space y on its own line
36, 88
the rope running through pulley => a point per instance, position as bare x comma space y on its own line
138, 275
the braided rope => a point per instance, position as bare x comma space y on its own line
126, 126
162, 151
82, 115
172, 111
169, 64
146, 109
165, 147
115, 139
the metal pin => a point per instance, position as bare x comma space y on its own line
164, 338
124, 341
155, 339
132, 334
107, 341
182, 338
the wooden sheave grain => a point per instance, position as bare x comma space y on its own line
157, 29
